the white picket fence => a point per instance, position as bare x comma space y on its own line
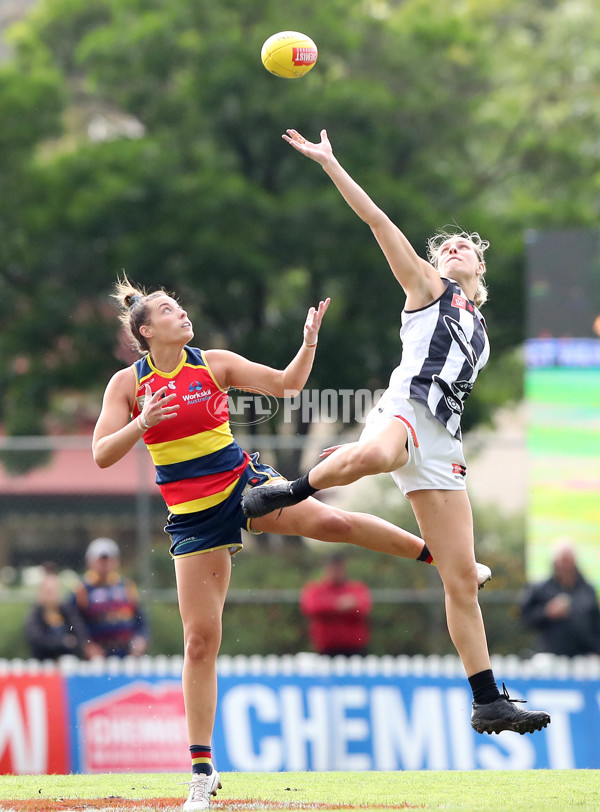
541, 666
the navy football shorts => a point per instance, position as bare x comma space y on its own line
221, 525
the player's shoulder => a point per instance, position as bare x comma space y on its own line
125, 374
424, 287
123, 379
194, 356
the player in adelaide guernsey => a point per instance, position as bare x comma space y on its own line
175, 398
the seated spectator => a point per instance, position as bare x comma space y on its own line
338, 611
53, 628
109, 605
563, 610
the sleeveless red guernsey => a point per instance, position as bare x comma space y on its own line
198, 462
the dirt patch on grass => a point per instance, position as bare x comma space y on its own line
117, 804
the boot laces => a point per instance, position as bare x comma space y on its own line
508, 698
198, 786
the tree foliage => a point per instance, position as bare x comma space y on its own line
479, 112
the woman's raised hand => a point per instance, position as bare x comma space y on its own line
321, 152
158, 406
313, 323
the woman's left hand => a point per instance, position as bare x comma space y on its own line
313, 323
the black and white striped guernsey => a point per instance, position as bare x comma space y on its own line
444, 345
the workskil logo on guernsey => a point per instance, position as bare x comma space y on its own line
197, 393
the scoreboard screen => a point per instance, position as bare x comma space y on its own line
562, 387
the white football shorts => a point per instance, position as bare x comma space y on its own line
435, 457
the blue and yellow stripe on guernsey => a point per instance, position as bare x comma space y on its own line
206, 491
187, 449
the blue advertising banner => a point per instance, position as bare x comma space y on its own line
127, 724
399, 723
273, 717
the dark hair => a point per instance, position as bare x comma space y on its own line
133, 303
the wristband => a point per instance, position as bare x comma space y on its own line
310, 346
142, 423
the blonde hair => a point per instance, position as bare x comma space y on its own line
439, 238
133, 306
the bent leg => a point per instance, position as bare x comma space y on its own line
316, 520
446, 523
202, 583
380, 449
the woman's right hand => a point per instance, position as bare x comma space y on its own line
321, 152
158, 406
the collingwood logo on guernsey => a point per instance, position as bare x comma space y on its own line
459, 335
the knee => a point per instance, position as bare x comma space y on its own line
202, 643
370, 458
461, 584
334, 525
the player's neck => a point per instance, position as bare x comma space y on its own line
166, 358
468, 285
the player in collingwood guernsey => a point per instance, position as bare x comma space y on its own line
414, 431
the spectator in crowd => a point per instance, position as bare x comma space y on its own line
53, 628
338, 611
109, 605
563, 610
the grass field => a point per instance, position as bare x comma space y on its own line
513, 791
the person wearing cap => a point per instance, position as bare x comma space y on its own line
109, 604
338, 610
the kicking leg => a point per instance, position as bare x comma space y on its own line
381, 448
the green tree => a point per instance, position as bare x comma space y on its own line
482, 113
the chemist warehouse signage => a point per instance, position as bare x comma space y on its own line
33, 729
278, 722
408, 723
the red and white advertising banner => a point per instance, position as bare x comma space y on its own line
33, 724
139, 728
